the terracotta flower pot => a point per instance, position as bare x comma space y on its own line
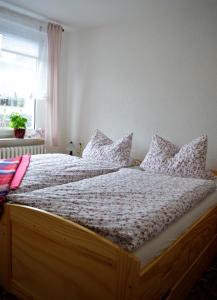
19, 133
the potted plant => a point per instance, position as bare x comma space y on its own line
18, 122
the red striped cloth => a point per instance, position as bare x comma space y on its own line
12, 172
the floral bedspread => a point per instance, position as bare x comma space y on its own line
128, 207
53, 169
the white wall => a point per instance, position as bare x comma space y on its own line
155, 74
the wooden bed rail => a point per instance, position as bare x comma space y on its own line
171, 275
44, 257
47, 257
5, 250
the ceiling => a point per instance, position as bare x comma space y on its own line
82, 13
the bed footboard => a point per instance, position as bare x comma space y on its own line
171, 275
47, 257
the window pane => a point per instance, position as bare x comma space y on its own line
20, 45
17, 85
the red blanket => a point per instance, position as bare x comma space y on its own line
12, 172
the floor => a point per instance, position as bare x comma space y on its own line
204, 289
4, 296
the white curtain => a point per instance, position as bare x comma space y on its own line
54, 36
21, 34
42, 41
24, 34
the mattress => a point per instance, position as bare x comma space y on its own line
153, 248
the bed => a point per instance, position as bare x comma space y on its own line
52, 169
45, 256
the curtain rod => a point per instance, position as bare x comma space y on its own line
27, 14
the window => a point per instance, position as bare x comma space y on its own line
22, 72
18, 62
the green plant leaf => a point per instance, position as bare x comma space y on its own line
17, 121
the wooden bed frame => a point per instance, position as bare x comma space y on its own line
45, 257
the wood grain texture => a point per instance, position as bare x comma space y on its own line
159, 277
128, 276
5, 249
44, 256
53, 258
182, 287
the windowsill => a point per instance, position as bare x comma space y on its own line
12, 142
6, 133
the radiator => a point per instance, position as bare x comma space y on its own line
9, 152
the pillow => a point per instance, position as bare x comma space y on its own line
102, 148
188, 161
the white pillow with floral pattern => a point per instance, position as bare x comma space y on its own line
102, 148
164, 157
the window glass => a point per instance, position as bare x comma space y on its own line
18, 67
